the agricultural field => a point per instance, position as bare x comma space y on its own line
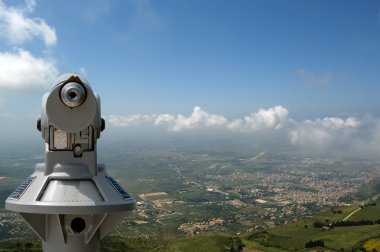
294, 236
372, 244
367, 213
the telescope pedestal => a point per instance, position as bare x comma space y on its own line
70, 215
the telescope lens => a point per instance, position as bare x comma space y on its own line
73, 94
78, 225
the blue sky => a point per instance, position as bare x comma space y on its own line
315, 59
229, 57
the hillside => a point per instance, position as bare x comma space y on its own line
291, 237
321, 227
368, 190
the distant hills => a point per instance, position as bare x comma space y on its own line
369, 190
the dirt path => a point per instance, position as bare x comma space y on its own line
352, 213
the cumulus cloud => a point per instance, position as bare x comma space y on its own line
197, 119
17, 28
19, 68
358, 136
163, 119
324, 132
351, 136
272, 118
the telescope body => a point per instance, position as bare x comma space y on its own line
70, 201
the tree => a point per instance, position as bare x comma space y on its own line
29, 245
318, 224
316, 243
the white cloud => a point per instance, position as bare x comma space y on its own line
198, 119
17, 28
357, 136
29, 5
19, 70
272, 118
323, 133
128, 121
163, 119
370, 143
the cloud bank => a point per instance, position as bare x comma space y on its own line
19, 68
324, 132
359, 135
273, 118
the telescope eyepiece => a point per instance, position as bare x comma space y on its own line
73, 94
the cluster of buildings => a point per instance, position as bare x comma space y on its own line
283, 193
192, 228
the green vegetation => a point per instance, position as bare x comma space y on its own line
369, 189
313, 244
115, 243
367, 213
215, 242
296, 235
207, 242
25, 244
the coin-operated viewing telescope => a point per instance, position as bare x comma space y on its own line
70, 201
